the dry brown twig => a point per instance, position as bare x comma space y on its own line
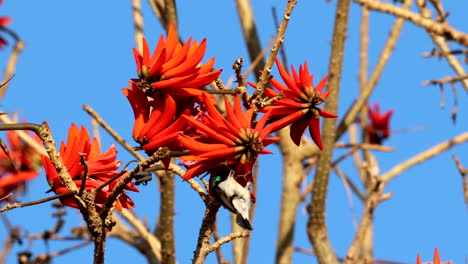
434, 27
24, 136
349, 195
445, 80
439, 54
263, 79
12, 60
441, 43
10, 206
463, 173
423, 156
225, 240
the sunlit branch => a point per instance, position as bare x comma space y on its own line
263, 79
224, 240
438, 28
424, 156
447, 79
153, 243
138, 24
316, 225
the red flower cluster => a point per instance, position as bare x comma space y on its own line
23, 166
379, 127
4, 21
299, 106
170, 82
234, 141
174, 68
101, 168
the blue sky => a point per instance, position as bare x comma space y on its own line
79, 52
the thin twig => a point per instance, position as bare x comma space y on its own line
349, 195
144, 234
463, 173
264, 77
284, 58
439, 54
25, 137
437, 28
224, 240
112, 132
63, 251
12, 61
350, 183
423, 156
447, 79
9, 206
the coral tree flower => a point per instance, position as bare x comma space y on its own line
157, 123
174, 68
299, 105
233, 141
101, 168
379, 127
436, 258
23, 166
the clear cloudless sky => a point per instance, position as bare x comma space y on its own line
79, 52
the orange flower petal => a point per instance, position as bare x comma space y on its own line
197, 147
173, 82
191, 62
209, 131
222, 153
298, 127
314, 129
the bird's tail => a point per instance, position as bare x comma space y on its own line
243, 222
